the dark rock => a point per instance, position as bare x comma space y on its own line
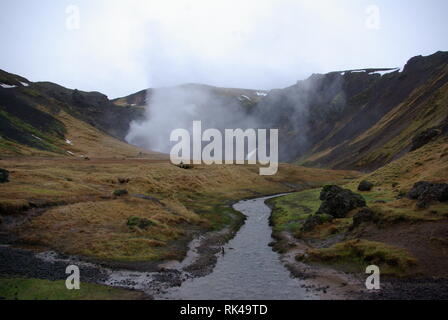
424, 138
119, 193
185, 166
337, 202
4, 175
364, 215
365, 186
426, 192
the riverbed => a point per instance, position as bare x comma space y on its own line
248, 268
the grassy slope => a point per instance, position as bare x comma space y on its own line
36, 289
401, 235
86, 219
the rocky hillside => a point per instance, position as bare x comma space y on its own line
360, 119
43, 118
354, 119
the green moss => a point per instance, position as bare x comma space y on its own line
289, 212
36, 289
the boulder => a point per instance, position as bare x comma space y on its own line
426, 192
337, 202
365, 186
4, 175
424, 138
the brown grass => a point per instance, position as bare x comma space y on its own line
85, 218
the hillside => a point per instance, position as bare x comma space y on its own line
244, 96
45, 119
361, 119
354, 119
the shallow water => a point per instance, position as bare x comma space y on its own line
249, 269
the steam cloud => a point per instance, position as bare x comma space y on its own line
173, 108
288, 110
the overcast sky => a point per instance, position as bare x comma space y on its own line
120, 47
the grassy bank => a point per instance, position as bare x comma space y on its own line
36, 289
402, 238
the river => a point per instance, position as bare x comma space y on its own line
249, 268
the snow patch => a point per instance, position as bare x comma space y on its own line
70, 153
262, 94
382, 73
68, 142
36, 137
25, 84
6, 86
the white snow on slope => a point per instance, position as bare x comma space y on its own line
6, 86
36, 137
382, 73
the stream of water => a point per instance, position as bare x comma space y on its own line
249, 269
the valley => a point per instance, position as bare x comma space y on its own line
72, 185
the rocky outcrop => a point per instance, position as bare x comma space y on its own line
337, 202
427, 192
424, 138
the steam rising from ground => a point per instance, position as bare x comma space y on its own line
176, 108
288, 110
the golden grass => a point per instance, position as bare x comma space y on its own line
90, 221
